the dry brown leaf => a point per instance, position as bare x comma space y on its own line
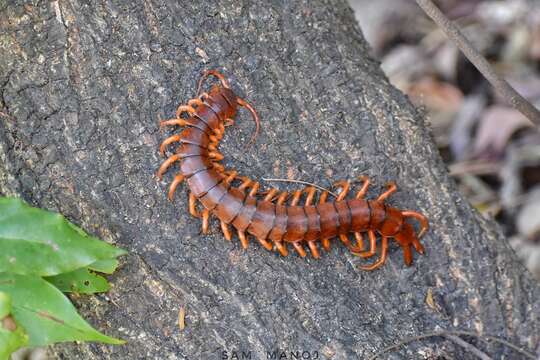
429, 299
182, 318
496, 126
435, 94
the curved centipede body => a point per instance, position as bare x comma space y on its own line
267, 216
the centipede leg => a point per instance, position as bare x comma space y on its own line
266, 244
313, 248
296, 197
325, 242
380, 262
344, 185
231, 175
243, 239
185, 109
173, 122
363, 190
166, 164
310, 191
299, 249
218, 167
193, 206
282, 198
177, 181
168, 141
282, 248
246, 182
228, 122
226, 230
391, 189
254, 189
195, 102
271, 194
205, 218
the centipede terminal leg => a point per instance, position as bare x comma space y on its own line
424, 223
359, 240
380, 262
372, 246
345, 240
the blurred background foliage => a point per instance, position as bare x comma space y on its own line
491, 150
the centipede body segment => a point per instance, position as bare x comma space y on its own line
277, 220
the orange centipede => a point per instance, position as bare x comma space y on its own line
267, 216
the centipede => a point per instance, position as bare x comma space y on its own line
276, 219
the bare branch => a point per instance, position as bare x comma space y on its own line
500, 85
445, 334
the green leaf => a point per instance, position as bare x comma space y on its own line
39, 242
82, 281
46, 314
104, 266
10, 339
5, 305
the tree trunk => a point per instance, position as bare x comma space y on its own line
82, 90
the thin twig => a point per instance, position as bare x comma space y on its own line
469, 347
500, 85
303, 182
485, 338
474, 168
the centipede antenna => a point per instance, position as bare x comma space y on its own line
245, 104
215, 73
303, 182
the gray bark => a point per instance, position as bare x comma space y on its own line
82, 87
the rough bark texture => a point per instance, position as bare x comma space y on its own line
82, 87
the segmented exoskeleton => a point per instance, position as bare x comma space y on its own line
267, 217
